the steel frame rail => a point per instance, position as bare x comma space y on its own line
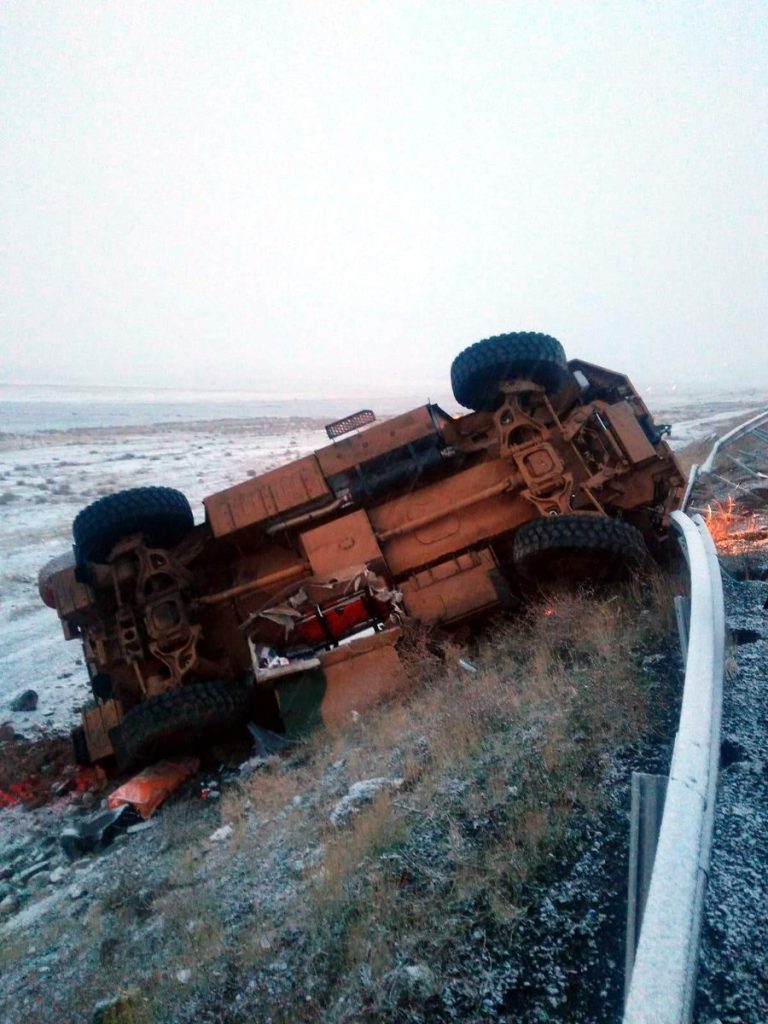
664, 975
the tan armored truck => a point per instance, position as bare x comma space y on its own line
287, 603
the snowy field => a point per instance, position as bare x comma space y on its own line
57, 455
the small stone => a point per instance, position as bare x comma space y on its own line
76, 892
221, 834
253, 764
650, 660
9, 905
34, 869
58, 875
414, 982
25, 701
119, 1009
183, 975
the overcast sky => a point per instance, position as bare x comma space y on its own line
320, 197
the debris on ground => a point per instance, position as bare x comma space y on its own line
209, 790
95, 832
152, 786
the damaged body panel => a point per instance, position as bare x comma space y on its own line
424, 516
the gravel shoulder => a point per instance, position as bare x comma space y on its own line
733, 979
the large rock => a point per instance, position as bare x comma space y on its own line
412, 983
24, 701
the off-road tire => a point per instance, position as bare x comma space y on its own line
575, 548
180, 721
162, 514
477, 371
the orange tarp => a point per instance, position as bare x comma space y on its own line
147, 790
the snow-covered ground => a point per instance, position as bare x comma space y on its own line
47, 477
59, 451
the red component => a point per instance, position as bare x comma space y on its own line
89, 777
337, 619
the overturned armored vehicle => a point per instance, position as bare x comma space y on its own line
286, 604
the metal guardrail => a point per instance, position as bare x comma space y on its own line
661, 990
696, 471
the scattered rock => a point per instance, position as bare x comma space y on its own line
221, 834
253, 764
413, 983
360, 794
34, 869
119, 1009
25, 701
58, 875
141, 826
652, 659
9, 904
76, 891
63, 787
183, 975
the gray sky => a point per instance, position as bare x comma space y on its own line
321, 197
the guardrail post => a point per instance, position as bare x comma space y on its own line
647, 808
683, 616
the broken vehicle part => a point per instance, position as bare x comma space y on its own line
96, 831
152, 786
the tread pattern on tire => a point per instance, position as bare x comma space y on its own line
163, 514
478, 370
188, 712
620, 542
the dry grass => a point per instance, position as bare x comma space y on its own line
502, 766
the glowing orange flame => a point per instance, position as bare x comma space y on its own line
736, 530
16, 793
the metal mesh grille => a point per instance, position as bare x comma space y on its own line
353, 422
